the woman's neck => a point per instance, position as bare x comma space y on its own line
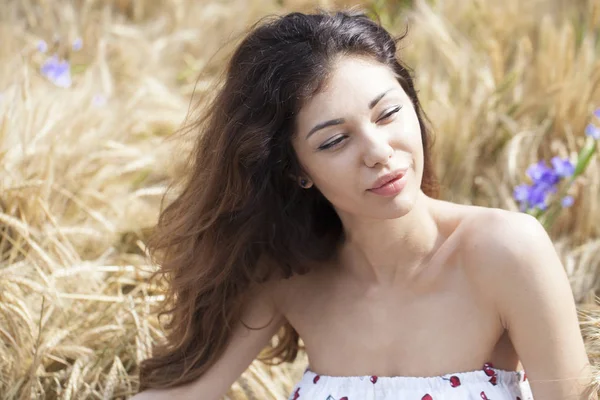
379, 253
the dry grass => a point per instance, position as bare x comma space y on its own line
504, 83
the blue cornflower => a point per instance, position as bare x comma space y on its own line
532, 196
563, 167
42, 46
567, 201
57, 71
541, 174
537, 196
545, 179
521, 195
593, 131
544, 182
521, 192
77, 44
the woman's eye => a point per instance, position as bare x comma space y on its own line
389, 113
332, 143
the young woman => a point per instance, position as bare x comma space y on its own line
311, 211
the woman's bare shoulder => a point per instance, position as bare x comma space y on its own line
494, 241
478, 225
486, 229
486, 235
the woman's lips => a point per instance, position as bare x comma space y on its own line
391, 188
387, 178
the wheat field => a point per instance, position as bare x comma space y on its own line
86, 158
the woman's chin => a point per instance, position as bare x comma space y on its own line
400, 205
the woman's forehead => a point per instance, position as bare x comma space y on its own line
352, 77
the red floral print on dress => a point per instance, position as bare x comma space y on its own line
492, 376
487, 368
296, 394
454, 381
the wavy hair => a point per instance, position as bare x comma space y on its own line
239, 219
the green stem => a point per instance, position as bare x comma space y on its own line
583, 159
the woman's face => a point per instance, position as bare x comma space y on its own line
361, 126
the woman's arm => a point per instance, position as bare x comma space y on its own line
517, 261
244, 346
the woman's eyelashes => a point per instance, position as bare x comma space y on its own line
339, 139
392, 111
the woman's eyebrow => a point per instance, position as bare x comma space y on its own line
339, 121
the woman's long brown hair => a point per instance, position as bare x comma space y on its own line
240, 218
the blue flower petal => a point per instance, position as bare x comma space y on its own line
541, 173
593, 131
535, 171
77, 44
563, 167
63, 80
42, 46
537, 196
56, 71
597, 113
521, 192
567, 201
49, 65
63, 67
548, 178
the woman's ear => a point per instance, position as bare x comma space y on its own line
303, 182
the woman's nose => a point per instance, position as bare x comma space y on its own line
377, 149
